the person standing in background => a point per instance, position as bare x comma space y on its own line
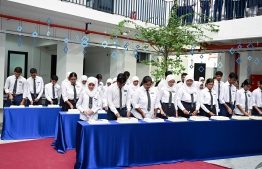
35, 88
52, 91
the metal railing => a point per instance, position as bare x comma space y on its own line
141, 10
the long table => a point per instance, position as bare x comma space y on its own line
29, 122
65, 135
123, 145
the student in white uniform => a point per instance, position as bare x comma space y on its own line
61, 102
227, 96
179, 85
104, 101
202, 80
187, 99
257, 100
52, 91
114, 80
70, 92
134, 85
218, 83
83, 82
167, 97
145, 101
208, 100
244, 100
127, 74
163, 81
35, 88
89, 101
16, 88
118, 97
199, 86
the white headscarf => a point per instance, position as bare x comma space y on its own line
83, 78
114, 80
135, 78
68, 74
108, 81
189, 89
167, 87
94, 81
201, 78
198, 84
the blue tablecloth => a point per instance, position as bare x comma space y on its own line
29, 123
65, 135
123, 145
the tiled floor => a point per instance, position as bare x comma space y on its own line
250, 162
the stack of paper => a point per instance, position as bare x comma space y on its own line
219, 118
73, 111
240, 117
154, 120
99, 121
15, 106
176, 119
51, 105
101, 112
199, 118
127, 120
255, 117
35, 106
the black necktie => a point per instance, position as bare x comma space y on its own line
218, 90
246, 103
34, 88
230, 96
120, 98
53, 90
211, 105
15, 86
148, 101
74, 93
170, 100
90, 102
192, 100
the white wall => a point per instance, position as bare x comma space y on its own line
2, 70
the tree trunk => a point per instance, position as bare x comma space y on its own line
165, 61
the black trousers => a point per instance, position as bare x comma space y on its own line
188, 107
111, 115
169, 111
203, 113
55, 102
65, 106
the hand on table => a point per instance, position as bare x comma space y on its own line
128, 114
118, 115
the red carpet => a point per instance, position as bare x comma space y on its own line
38, 154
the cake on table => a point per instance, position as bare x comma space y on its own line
255, 117
73, 111
175, 119
154, 120
240, 117
51, 105
199, 118
15, 106
98, 121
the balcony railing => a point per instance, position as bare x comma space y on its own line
158, 10
135, 9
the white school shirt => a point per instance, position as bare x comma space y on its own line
21, 87
241, 100
140, 100
113, 97
39, 87
224, 93
49, 91
257, 97
215, 87
128, 82
161, 84
163, 96
104, 101
83, 105
205, 98
179, 85
68, 91
182, 95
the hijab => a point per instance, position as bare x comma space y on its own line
95, 82
198, 84
189, 89
114, 80
167, 87
135, 78
201, 78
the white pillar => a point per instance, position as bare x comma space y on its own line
117, 64
227, 60
72, 60
2, 60
243, 66
130, 63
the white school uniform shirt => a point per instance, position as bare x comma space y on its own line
83, 105
49, 91
161, 84
257, 97
163, 96
241, 100
224, 93
68, 91
205, 98
182, 95
179, 85
140, 100
215, 87
113, 98
104, 101
21, 87
128, 82
39, 87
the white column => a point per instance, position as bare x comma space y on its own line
2, 60
117, 64
130, 63
228, 64
71, 61
243, 66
